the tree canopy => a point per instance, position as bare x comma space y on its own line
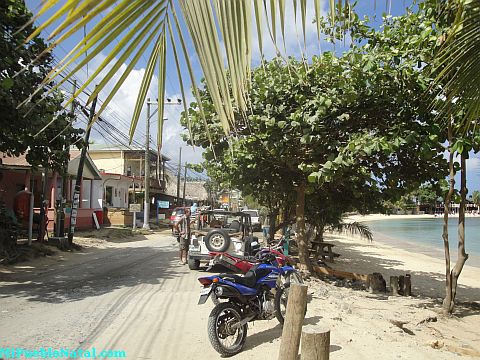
22, 69
352, 130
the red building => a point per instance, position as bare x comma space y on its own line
17, 175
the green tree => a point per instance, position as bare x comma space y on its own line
476, 197
23, 66
357, 123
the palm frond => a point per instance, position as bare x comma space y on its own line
459, 65
137, 26
354, 228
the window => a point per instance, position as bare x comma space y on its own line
86, 193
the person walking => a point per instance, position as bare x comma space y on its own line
184, 231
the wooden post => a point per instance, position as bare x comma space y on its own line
401, 285
407, 285
394, 285
315, 343
292, 328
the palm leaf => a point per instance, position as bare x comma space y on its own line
196, 93
459, 68
354, 228
303, 10
234, 32
180, 80
202, 28
282, 22
133, 22
162, 69
122, 79
146, 81
257, 5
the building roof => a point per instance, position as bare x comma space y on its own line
15, 161
195, 190
90, 171
118, 147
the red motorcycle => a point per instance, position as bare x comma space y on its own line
241, 264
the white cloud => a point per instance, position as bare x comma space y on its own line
121, 107
473, 165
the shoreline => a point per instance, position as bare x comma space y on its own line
413, 246
427, 270
375, 217
433, 252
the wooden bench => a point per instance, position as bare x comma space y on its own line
323, 249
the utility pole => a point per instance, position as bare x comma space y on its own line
60, 216
134, 225
184, 184
178, 177
146, 209
78, 181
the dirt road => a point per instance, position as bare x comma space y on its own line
131, 296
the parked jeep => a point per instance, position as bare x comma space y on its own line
220, 231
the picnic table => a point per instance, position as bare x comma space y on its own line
323, 249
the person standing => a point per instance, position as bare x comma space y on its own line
184, 232
194, 209
266, 227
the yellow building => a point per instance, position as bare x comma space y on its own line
122, 167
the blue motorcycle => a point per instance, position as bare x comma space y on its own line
260, 294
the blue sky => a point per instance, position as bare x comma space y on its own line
124, 101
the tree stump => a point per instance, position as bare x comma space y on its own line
407, 285
315, 343
292, 327
376, 283
394, 285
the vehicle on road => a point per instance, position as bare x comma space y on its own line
258, 295
255, 216
219, 231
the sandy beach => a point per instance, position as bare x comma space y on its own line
372, 320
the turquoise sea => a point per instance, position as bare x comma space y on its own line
426, 235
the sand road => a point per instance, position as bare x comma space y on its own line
132, 296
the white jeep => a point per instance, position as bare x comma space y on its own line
212, 234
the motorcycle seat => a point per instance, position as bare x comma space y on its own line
248, 280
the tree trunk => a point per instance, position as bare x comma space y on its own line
300, 222
448, 280
462, 256
320, 230
273, 224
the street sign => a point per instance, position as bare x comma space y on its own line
163, 204
135, 207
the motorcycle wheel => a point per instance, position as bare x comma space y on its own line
281, 299
225, 340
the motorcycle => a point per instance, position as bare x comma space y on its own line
242, 264
258, 295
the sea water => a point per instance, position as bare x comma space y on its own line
426, 233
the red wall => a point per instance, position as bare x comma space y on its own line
8, 185
8, 190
